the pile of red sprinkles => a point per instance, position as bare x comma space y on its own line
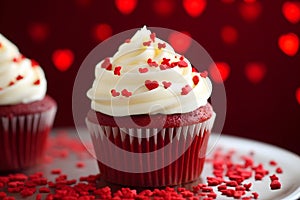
233, 177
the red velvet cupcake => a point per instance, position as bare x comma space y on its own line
26, 113
150, 120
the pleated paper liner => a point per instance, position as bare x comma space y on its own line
23, 139
187, 143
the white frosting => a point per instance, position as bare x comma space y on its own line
20, 80
133, 57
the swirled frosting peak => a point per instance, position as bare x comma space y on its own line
21, 80
146, 76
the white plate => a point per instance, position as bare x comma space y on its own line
263, 153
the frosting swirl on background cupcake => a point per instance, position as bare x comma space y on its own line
21, 80
146, 76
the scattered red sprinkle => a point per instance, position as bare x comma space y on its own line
1, 89
204, 74
207, 189
166, 61
80, 164
143, 70
182, 63
147, 43
232, 183
166, 84
164, 67
1, 45
273, 163
279, 170
106, 64
196, 79
152, 37
56, 171
18, 59
117, 70
126, 93
275, 185
127, 40
194, 69
222, 187
37, 82
19, 77
161, 45
186, 89
255, 195
11, 83
151, 84
34, 63
274, 177
114, 93
152, 63
258, 177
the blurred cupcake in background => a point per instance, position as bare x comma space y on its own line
26, 112
150, 119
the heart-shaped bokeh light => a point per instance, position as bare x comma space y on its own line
180, 41
194, 7
291, 11
219, 71
289, 44
63, 59
126, 6
255, 71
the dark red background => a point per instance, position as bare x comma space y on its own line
266, 111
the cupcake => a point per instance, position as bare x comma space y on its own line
26, 113
150, 119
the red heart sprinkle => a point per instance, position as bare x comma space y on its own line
166, 84
163, 67
279, 170
185, 90
152, 37
11, 83
275, 184
114, 93
127, 40
143, 70
117, 70
126, 93
37, 82
19, 77
152, 63
147, 43
161, 45
106, 64
196, 79
151, 84
182, 63
34, 63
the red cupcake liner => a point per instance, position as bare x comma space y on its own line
23, 139
153, 150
